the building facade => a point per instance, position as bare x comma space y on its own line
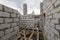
24, 9
42, 22
42, 17
41, 7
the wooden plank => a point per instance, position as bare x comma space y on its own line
24, 34
41, 32
18, 35
44, 36
31, 35
37, 35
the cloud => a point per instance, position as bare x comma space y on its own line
33, 5
18, 4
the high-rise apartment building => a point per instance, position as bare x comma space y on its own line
24, 9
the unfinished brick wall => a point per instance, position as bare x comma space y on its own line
9, 22
52, 24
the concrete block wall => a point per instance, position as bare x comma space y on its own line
27, 21
9, 23
52, 21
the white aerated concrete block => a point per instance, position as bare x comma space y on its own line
13, 15
16, 28
57, 2
58, 27
7, 9
8, 30
14, 33
14, 24
4, 14
54, 20
2, 26
15, 11
55, 31
6, 36
8, 20
1, 33
16, 19
1, 20
55, 10
57, 15
1, 7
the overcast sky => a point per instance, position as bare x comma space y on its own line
18, 4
